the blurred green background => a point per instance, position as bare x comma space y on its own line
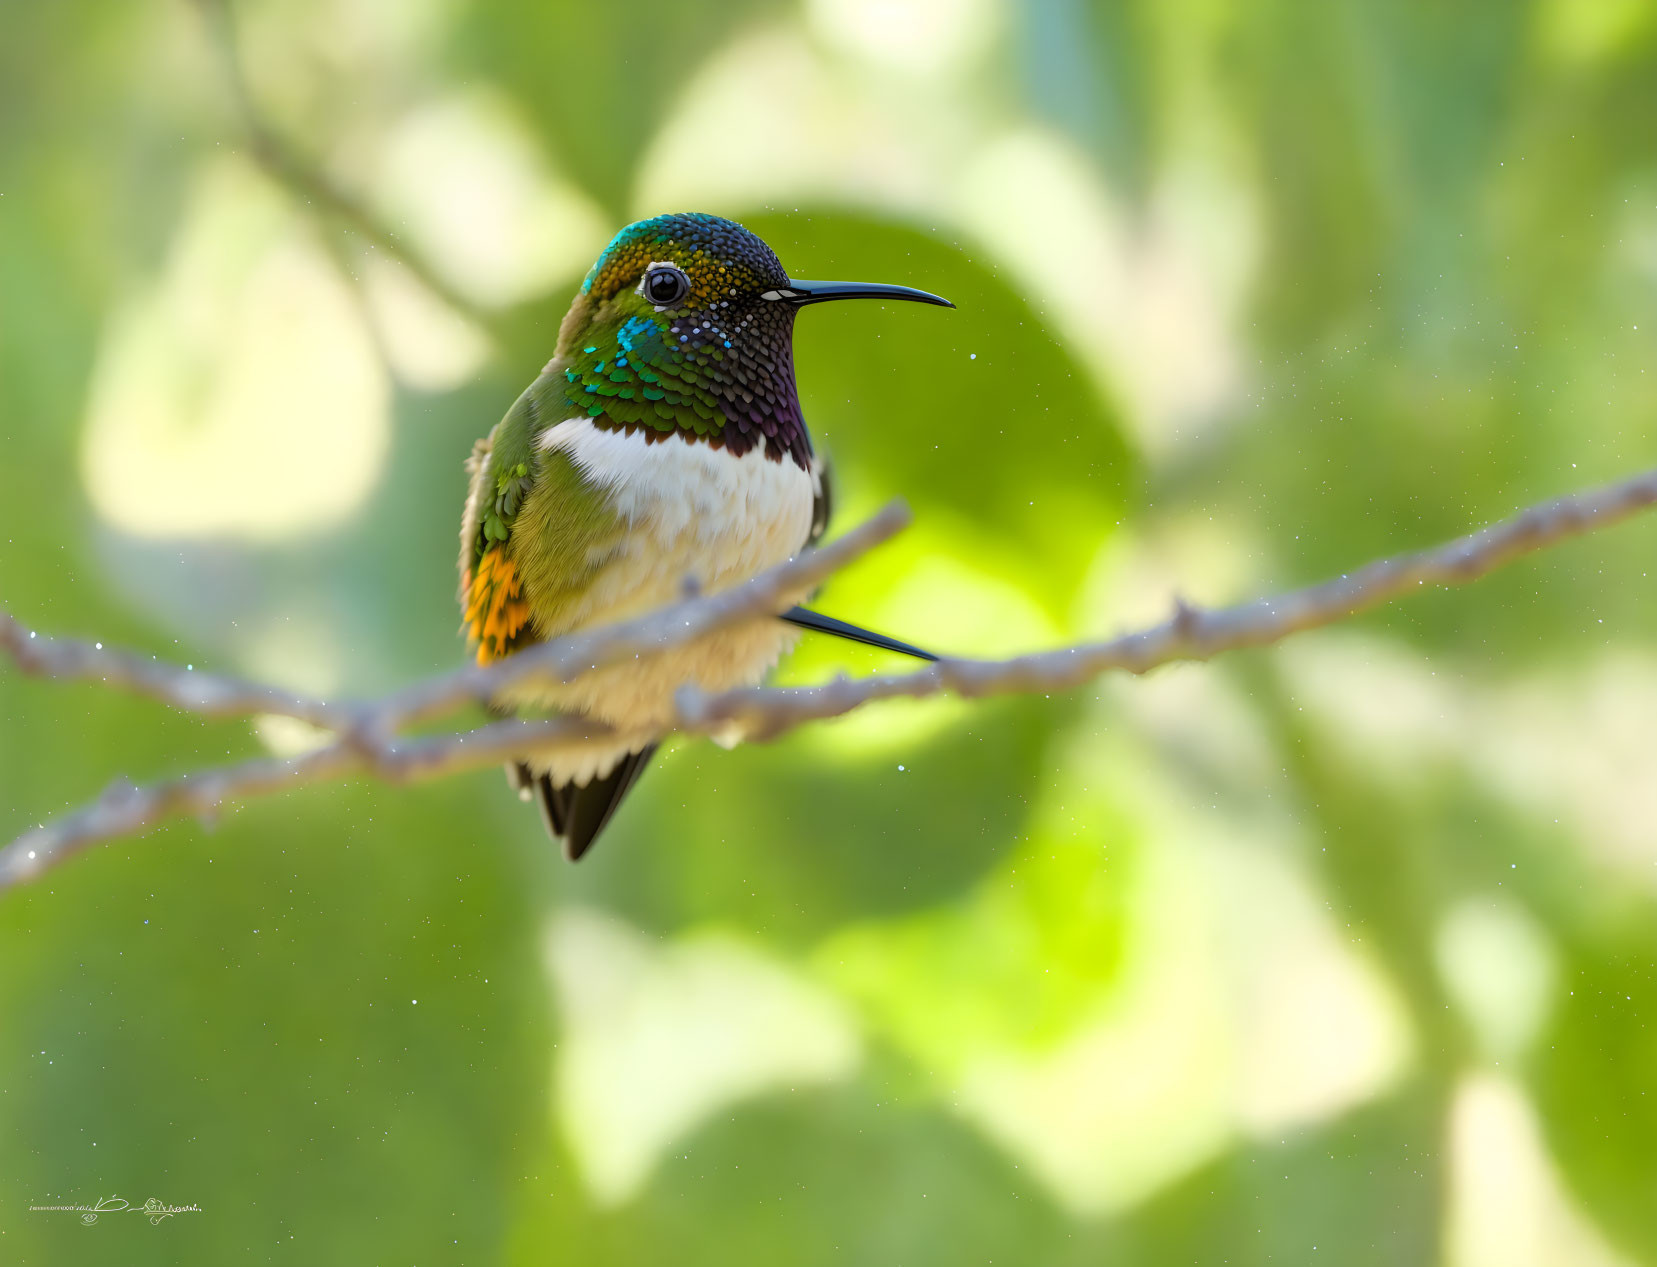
1340, 952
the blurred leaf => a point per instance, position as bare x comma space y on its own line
1363, 1192
792, 839
1594, 1072
597, 84
847, 1177
1079, 68
1015, 966
287, 1023
978, 416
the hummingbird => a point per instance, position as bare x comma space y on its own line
662, 445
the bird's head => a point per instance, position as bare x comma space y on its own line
686, 322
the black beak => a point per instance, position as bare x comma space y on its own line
801, 293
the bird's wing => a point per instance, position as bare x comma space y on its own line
491, 588
535, 533
533, 536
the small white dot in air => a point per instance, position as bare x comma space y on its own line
973, 356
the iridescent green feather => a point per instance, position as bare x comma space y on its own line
629, 371
503, 479
558, 528
564, 535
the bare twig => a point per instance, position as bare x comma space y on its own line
366, 741
206, 694
562, 660
123, 809
306, 179
1192, 633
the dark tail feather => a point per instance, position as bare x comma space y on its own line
554, 802
819, 623
576, 813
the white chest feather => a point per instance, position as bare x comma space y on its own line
693, 509
689, 510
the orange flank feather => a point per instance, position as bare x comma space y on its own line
495, 609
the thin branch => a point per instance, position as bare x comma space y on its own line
125, 810
206, 694
307, 181
562, 660
1192, 633
569, 658
366, 739
366, 742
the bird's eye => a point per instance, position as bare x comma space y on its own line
665, 285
